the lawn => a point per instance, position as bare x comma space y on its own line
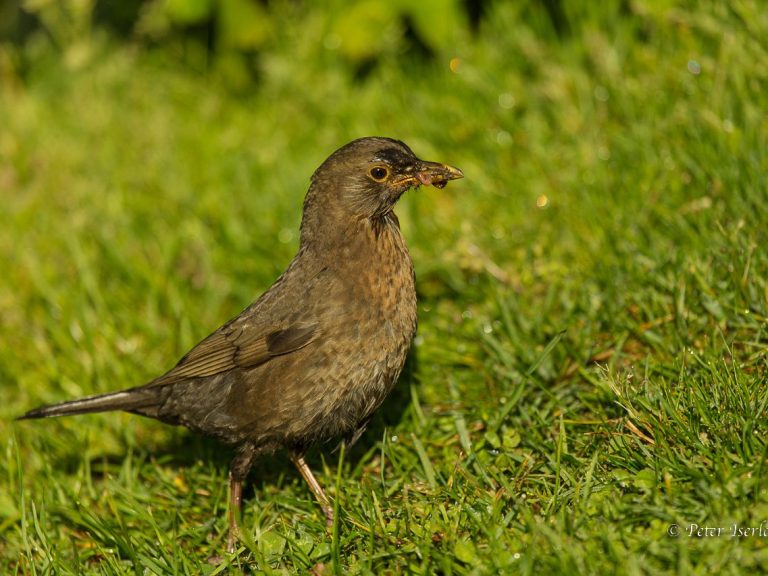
588, 390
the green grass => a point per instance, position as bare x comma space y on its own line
592, 357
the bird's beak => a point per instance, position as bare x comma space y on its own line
436, 174
430, 174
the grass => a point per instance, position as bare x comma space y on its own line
592, 357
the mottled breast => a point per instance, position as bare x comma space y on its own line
368, 324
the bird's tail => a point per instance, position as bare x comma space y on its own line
134, 399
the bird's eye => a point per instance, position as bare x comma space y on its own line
379, 173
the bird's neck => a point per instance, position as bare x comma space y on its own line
384, 223
355, 237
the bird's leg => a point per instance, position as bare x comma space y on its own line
233, 514
238, 470
298, 460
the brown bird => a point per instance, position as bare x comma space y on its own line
318, 352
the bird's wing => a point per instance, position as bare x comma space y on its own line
239, 347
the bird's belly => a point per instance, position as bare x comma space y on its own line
354, 375
325, 390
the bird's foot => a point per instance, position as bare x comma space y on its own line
232, 539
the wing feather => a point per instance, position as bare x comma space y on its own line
226, 350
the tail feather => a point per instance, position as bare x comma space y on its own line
128, 400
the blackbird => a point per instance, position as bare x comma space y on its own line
318, 352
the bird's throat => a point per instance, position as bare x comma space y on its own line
382, 222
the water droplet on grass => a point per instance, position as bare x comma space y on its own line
506, 100
601, 94
285, 235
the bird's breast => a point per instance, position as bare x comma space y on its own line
368, 324
382, 284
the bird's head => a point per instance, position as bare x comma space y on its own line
365, 178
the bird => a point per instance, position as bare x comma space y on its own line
316, 354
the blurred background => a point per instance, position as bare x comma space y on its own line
235, 37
